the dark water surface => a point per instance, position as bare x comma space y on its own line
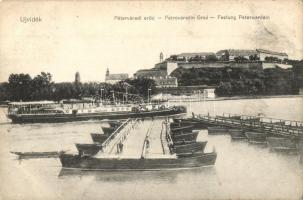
242, 171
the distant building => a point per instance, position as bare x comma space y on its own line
209, 93
266, 53
114, 78
77, 77
161, 57
161, 74
230, 54
150, 73
188, 56
260, 54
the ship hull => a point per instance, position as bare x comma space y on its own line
114, 124
108, 130
88, 149
57, 118
183, 129
99, 138
192, 122
189, 148
237, 134
111, 164
190, 136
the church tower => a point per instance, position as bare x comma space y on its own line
161, 57
107, 74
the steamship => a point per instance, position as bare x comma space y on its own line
50, 111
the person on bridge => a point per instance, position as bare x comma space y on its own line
147, 143
120, 147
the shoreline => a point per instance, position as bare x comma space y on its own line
238, 98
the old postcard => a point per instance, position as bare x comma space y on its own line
151, 100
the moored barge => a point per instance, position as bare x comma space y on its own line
112, 164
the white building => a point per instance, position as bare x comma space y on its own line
209, 93
266, 53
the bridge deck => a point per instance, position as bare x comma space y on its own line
255, 123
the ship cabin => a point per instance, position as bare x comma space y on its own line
33, 107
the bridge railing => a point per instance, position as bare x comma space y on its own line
113, 135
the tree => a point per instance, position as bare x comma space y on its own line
19, 87
254, 57
4, 94
42, 86
224, 89
240, 59
211, 58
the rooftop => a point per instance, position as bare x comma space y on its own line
32, 103
195, 54
271, 52
238, 52
117, 77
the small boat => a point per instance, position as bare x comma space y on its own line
179, 142
115, 124
108, 130
99, 138
236, 117
184, 136
182, 129
281, 144
45, 154
88, 149
190, 147
70, 161
256, 137
179, 124
196, 123
237, 134
217, 130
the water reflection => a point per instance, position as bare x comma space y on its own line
169, 176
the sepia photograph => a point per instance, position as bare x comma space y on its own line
151, 100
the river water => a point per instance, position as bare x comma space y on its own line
242, 170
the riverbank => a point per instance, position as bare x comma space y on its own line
196, 99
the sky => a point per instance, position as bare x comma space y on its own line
84, 36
